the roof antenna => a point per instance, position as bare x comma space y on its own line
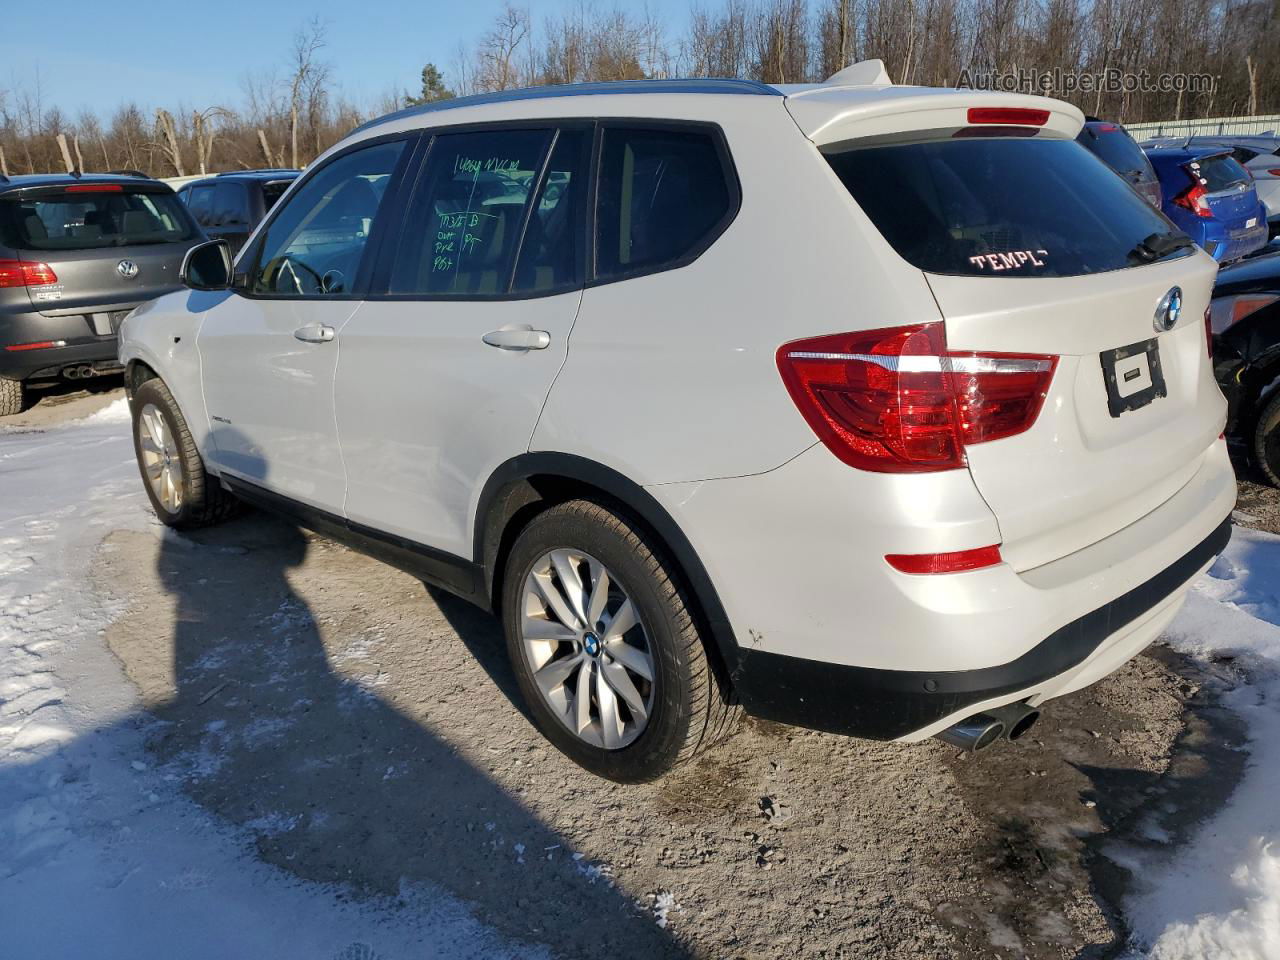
864, 73
76, 173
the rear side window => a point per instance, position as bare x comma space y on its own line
273, 191
1116, 148
663, 196
85, 218
230, 205
464, 224
999, 206
1218, 173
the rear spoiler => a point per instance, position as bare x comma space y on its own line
860, 101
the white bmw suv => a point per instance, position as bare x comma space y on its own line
879, 410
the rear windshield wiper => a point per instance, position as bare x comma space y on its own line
1159, 245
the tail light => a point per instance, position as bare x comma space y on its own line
1193, 199
25, 273
1274, 173
896, 400
1225, 312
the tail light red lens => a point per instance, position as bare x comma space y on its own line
25, 273
896, 400
1193, 199
956, 562
1013, 116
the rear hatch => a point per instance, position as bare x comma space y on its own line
108, 246
1228, 190
1032, 246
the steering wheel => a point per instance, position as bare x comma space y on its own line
293, 265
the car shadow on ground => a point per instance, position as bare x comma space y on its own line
339, 785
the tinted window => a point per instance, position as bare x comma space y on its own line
84, 220
273, 191
314, 245
464, 224
1218, 173
551, 254
200, 200
661, 195
230, 205
999, 206
1116, 148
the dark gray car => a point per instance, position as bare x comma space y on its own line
229, 205
77, 253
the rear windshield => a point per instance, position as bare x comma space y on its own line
1218, 173
85, 220
999, 206
1116, 148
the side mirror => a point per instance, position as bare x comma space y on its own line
207, 266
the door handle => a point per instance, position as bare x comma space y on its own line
523, 337
314, 333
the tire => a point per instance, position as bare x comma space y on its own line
191, 497
12, 397
1266, 441
684, 706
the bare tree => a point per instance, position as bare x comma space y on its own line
497, 59
308, 78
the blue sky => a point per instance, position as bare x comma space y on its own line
98, 55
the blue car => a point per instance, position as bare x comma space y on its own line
1212, 199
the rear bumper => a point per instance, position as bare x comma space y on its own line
77, 345
893, 704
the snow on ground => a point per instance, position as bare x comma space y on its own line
1219, 898
101, 856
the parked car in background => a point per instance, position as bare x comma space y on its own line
1113, 145
228, 206
1245, 323
1212, 199
1259, 155
77, 253
952, 369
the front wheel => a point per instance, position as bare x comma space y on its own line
604, 646
1266, 441
182, 494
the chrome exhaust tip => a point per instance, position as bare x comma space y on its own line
974, 733
1017, 718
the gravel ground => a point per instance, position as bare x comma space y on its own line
366, 730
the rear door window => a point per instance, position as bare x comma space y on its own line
1218, 173
467, 216
664, 195
999, 206
85, 217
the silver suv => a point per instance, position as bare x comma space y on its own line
77, 253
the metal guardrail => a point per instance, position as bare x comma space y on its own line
1210, 126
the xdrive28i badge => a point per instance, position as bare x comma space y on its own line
127, 269
1168, 310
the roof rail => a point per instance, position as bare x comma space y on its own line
691, 85
233, 173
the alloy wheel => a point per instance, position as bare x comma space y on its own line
161, 462
587, 650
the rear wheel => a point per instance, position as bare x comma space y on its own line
12, 397
1266, 441
607, 654
182, 494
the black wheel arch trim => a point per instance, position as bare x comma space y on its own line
507, 491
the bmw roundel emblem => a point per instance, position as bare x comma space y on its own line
127, 269
1169, 309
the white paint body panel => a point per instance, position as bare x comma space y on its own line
270, 396
448, 408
